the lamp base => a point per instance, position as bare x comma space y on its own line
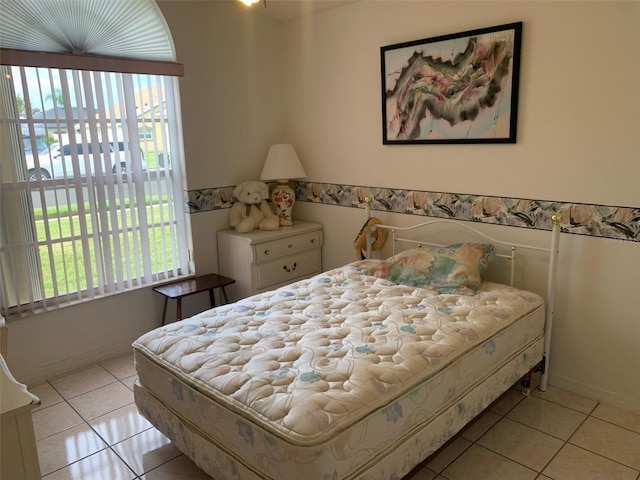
283, 198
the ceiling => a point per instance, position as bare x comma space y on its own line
282, 10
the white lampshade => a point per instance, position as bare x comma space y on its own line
282, 164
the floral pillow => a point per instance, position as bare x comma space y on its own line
455, 268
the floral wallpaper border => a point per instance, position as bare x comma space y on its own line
609, 222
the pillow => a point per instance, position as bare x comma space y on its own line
455, 268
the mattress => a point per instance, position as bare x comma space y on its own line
339, 376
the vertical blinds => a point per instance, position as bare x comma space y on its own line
90, 189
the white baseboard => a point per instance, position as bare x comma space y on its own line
77, 362
600, 395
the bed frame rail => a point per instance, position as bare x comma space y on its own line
398, 235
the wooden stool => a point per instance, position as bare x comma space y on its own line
178, 290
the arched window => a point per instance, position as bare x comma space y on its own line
91, 177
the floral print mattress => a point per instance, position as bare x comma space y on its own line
316, 377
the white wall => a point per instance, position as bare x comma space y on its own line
577, 142
231, 114
46, 345
250, 82
577, 135
232, 101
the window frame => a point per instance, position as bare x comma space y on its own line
34, 304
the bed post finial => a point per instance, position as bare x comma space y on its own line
556, 218
368, 201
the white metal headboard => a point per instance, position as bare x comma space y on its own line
396, 231
553, 250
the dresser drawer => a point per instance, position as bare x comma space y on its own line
268, 251
266, 259
287, 269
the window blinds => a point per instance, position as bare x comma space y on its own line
91, 194
113, 28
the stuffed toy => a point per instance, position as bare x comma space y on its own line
251, 210
378, 237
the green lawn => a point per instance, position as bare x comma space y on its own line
67, 256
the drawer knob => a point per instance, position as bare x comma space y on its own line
266, 252
313, 240
287, 269
290, 246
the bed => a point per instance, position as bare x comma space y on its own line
360, 372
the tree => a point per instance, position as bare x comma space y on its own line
57, 98
22, 110
20, 102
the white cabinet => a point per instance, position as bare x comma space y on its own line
264, 260
18, 455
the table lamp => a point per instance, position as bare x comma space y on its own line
282, 165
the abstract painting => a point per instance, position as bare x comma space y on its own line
457, 88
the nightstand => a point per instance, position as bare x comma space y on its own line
264, 260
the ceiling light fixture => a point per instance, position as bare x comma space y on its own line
248, 3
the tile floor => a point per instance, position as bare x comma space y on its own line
88, 428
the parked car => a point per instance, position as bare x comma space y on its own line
40, 141
56, 161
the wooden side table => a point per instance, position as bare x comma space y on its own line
179, 290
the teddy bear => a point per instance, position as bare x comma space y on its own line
251, 210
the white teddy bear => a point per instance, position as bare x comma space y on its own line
251, 209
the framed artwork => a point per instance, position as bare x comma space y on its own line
457, 88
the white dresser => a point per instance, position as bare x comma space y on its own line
18, 455
264, 260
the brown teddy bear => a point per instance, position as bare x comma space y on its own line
251, 210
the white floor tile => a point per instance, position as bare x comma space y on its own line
179, 468
567, 399
47, 395
59, 450
121, 367
548, 417
520, 438
447, 455
508, 401
523, 444
129, 381
82, 381
147, 450
479, 463
619, 416
104, 465
425, 474
480, 426
102, 400
54, 419
608, 440
575, 463
120, 424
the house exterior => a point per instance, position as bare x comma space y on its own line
251, 81
151, 114
57, 118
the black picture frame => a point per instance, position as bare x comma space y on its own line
456, 88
